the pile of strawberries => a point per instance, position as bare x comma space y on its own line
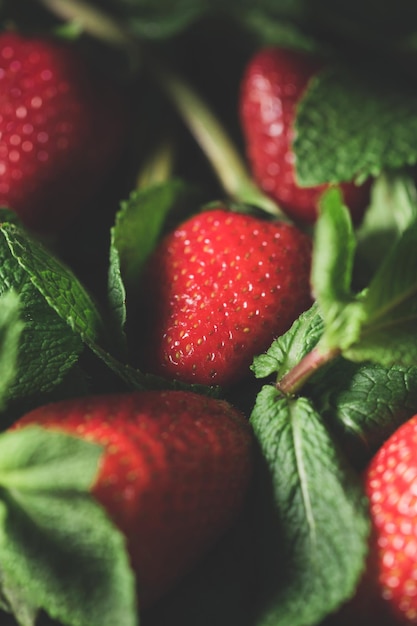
215, 292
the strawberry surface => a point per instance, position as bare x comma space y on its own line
218, 290
61, 129
173, 477
273, 83
391, 486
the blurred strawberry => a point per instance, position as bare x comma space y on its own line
61, 130
387, 591
274, 81
217, 291
174, 474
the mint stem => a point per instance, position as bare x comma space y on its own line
91, 20
294, 380
215, 143
158, 167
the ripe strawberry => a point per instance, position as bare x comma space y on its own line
173, 477
273, 84
217, 291
61, 128
391, 486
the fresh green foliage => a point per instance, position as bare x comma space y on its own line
393, 207
138, 225
364, 402
286, 351
57, 283
331, 275
390, 307
11, 328
312, 525
351, 127
48, 347
49, 524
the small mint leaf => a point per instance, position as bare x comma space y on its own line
334, 251
332, 269
139, 223
291, 347
312, 518
51, 525
390, 306
392, 209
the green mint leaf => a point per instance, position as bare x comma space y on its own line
312, 515
332, 270
57, 283
334, 250
14, 600
291, 347
350, 126
116, 291
11, 328
364, 403
47, 347
390, 306
149, 20
51, 525
393, 207
138, 226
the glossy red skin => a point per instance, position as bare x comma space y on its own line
272, 85
391, 486
173, 477
217, 291
62, 128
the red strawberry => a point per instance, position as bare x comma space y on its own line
273, 83
391, 486
174, 474
218, 290
61, 128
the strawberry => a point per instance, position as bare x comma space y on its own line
273, 83
391, 486
61, 129
217, 290
173, 477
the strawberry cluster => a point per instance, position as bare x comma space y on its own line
213, 292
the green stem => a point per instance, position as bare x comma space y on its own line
294, 380
215, 142
91, 20
158, 167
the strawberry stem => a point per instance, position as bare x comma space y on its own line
215, 143
294, 380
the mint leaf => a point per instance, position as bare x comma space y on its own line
390, 306
312, 521
47, 346
334, 250
332, 270
11, 328
57, 283
138, 225
49, 524
349, 127
14, 600
291, 347
364, 403
392, 208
